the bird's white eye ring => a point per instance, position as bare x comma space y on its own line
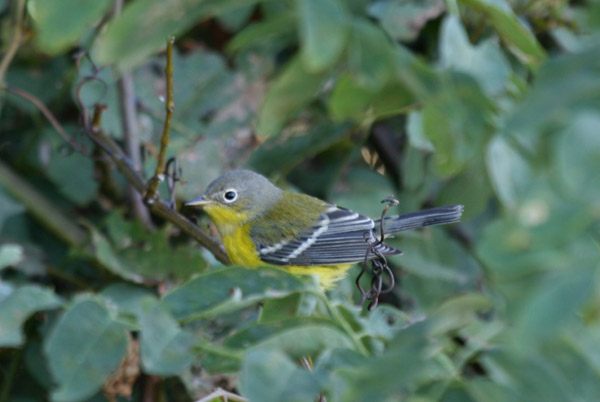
230, 195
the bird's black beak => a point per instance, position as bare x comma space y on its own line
197, 202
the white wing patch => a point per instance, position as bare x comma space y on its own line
323, 226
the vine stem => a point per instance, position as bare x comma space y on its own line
335, 314
15, 42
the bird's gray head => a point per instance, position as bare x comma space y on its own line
240, 190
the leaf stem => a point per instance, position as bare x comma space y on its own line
341, 321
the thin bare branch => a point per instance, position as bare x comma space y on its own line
159, 173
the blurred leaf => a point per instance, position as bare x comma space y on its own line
17, 305
229, 289
510, 29
8, 207
74, 177
459, 311
350, 101
510, 173
471, 188
551, 304
127, 298
485, 62
104, 253
370, 58
291, 91
84, 347
324, 30
457, 121
61, 23
271, 376
282, 153
363, 191
280, 25
404, 19
577, 153
165, 349
10, 254
578, 87
147, 23
306, 340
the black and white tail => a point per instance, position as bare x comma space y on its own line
426, 217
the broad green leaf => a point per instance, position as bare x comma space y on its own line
84, 347
510, 28
324, 31
404, 19
306, 340
281, 153
229, 289
295, 88
577, 155
550, 306
371, 56
459, 311
350, 101
17, 305
363, 191
148, 23
61, 23
578, 86
272, 376
457, 120
485, 62
471, 188
510, 173
104, 253
8, 207
127, 299
165, 349
283, 24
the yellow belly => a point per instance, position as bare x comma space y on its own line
242, 251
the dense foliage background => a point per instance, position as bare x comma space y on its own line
493, 104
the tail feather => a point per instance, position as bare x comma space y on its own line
427, 217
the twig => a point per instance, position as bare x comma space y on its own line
50, 117
159, 173
159, 207
15, 42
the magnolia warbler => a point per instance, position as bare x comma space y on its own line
260, 224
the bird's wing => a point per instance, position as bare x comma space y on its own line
339, 236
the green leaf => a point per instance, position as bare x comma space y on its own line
324, 31
370, 58
552, 304
10, 254
485, 62
147, 23
127, 298
306, 340
282, 24
457, 120
295, 88
577, 155
350, 101
84, 347
510, 29
17, 305
74, 176
229, 289
510, 173
459, 311
281, 153
165, 349
271, 376
61, 23
104, 253
404, 19
541, 110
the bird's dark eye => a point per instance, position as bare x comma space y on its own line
230, 196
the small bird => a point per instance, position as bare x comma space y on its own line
260, 224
